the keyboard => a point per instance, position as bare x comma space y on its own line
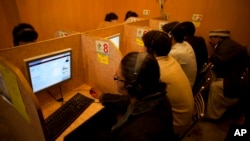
58, 121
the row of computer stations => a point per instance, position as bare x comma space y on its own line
49, 69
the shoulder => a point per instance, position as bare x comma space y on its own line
230, 42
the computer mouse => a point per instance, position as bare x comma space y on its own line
92, 92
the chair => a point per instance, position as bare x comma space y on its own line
202, 77
205, 79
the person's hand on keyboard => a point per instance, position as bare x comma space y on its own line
95, 92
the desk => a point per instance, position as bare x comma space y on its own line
52, 106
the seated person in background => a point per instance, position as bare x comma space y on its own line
147, 111
182, 51
131, 16
110, 19
168, 28
198, 44
178, 88
24, 33
229, 60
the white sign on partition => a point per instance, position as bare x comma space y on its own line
102, 47
140, 32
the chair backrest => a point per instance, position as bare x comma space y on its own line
244, 91
201, 88
203, 78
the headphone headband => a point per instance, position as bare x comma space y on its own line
139, 62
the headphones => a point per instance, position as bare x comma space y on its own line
152, 43
155, 37
133, 87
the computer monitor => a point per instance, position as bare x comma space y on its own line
115, 39
49, 69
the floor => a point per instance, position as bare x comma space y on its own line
206, 130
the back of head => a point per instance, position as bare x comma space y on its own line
130, 14
142, 74
168, 28
178, 33
157, 42
111, 16
24, 32
188, 27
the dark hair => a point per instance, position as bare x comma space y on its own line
111, 16
157, 42
24, 32
148, 77
178, 33
130, 14
189, 28
168, 27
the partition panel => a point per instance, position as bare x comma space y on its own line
20, 114
100, 66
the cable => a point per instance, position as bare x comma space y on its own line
52, 95
57, 99
61, 98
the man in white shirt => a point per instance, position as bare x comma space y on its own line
183, 52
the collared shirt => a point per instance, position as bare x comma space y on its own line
185, 56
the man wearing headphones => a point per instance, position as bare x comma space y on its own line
178, 90
146, 111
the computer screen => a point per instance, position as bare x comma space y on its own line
49, 69
115, 39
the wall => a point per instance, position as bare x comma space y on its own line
217, 14
81, 15
9, 18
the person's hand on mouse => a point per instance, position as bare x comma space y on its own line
95, 92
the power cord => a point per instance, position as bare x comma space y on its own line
57, 99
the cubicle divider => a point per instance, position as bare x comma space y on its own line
109, 31
21, 117
133, 33
17, 55
133, 37
101, 59
157, 23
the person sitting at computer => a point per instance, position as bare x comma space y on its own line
110, 19
178, 90
199, 46
182, 51
147, 110
131, 16
24, 33
230, 61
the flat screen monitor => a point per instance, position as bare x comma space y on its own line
115, 39
49, 69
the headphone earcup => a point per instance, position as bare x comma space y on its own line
134, 89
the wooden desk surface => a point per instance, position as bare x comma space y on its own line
52, 106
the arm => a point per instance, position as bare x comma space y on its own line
117, 101
225, 52
114, 101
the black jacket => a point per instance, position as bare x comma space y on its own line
200, 49
229, 61
150, 119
